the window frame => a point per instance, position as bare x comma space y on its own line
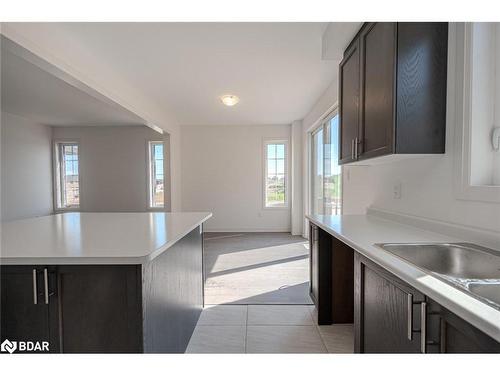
56, 174
150, 166
464, 189
321, 125
270, 141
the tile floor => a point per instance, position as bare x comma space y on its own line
256, 268
267, 329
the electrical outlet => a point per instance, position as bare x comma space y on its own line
396, 191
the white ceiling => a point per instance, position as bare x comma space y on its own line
275, 68
34, 93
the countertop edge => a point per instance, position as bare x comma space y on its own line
135, 260
484, 320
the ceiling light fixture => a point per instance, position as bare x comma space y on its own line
229, 100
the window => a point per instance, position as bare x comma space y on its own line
477, 157
326, 183
67, 175
275, 177
156, 175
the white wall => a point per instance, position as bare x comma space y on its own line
222, 172
114, 165
427, 183
296, 180
26, 174
59, 49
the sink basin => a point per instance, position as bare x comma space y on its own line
464, 261
489, 291
474, 269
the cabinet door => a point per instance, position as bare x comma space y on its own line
378, 60
448, 333
25, 313
100, 308
349, 102
387, 312
421, 90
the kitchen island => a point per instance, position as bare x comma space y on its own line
103, 282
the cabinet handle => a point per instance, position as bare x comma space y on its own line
46, 285
423, 327
35, 288
352, 149
410, 316
356, 148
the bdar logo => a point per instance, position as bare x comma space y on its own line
8, 346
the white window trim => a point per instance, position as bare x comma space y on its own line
463, 104
266, 142
331, 113
56, 188
149, 167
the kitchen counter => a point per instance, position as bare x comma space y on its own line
103, 282
361, 232
95, 238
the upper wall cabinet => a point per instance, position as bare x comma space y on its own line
393, 91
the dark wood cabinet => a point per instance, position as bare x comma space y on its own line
392, 88
349, 102
378, 61
151, 307
392, 317
105, 301
331, 281
388, 312
29, 308
452, 334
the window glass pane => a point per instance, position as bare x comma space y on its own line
157, 175
271, 151
276, 175
280, 166
280, 151
326, 184
271, 167
68, 180
317, 173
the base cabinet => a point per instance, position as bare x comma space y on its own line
28, 311
387, 315
151, 308
331, 277
390, 316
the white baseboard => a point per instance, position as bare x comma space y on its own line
483, 237
247, 230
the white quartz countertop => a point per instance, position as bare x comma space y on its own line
361, 232
95, 238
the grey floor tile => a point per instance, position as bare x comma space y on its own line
284, 339
314, 313
250, 268
229, 315
279, 315
338, 338
217, 339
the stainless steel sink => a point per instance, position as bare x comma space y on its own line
470, 267
490, 291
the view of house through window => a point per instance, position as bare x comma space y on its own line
326, 184
68, 182
157, 177
275, 174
